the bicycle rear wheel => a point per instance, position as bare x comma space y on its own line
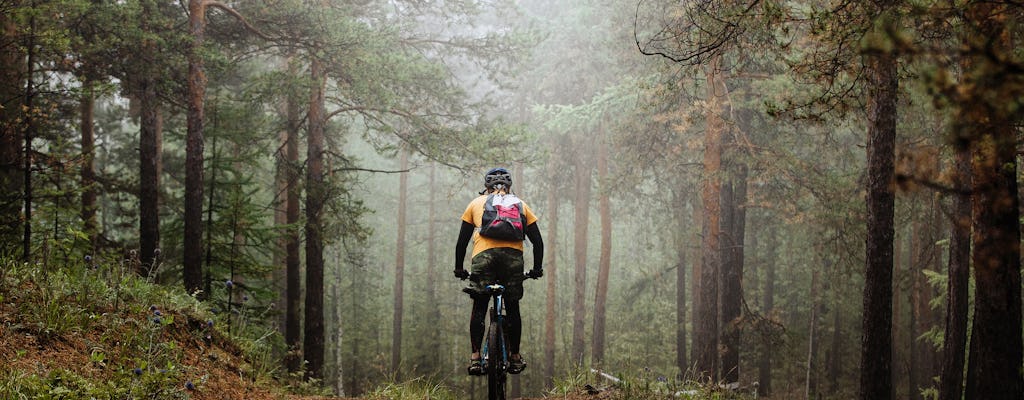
496, 371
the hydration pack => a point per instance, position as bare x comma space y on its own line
503, 218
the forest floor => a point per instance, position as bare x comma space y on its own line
77, 336
217, 367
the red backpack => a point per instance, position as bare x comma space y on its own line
504, 220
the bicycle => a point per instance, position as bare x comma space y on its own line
495, 345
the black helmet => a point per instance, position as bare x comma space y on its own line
497, 176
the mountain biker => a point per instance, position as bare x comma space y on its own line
497, 260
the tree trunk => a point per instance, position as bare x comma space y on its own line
339, 376
764, 370
680, 244
29, 132
316, 196
994, 364
836, 358
88, 174
605, 260
695, 279
707, 354
551, 274
396, 325
993, 370
150, 144
915, 270
954, 348
732, 272
582, 218
876, 342
293, 278
192, 263
12, 77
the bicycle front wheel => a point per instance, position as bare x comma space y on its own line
496, 365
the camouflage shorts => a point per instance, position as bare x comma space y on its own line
498, 265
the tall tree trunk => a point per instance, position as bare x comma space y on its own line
994, 364
680, 244
605, 260
695, 278
954, 348
582, 218
900, 257
150, 144
316, 196
293, 263
836, 357
12, 77
88, 172
279, 274
707, 354
764, 368
914, 301
876, 341
396, 325
192, 263
732, 273
551, 274
339, 333
29, 133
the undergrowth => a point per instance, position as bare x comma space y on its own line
132, 330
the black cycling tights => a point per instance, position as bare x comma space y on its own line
513, 323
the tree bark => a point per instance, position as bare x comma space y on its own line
764, 370
396, 325
88, 169
551, 274
915, 270
12, 77
192, 263
994, 364
316, 196
695, 279
679, 242
582, 212
29, 134
707, 354
150, 144
605, 260
732, 272
876, 341
836, 358
293, 278
954, 348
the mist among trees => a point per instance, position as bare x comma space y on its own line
802, 199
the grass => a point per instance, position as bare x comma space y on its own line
89, 330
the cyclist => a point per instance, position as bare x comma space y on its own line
497, 258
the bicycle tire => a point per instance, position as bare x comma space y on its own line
496, 372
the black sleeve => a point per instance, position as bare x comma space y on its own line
533, 233
465, 234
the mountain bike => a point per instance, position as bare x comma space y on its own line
495, 351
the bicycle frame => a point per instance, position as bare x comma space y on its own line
495, 336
